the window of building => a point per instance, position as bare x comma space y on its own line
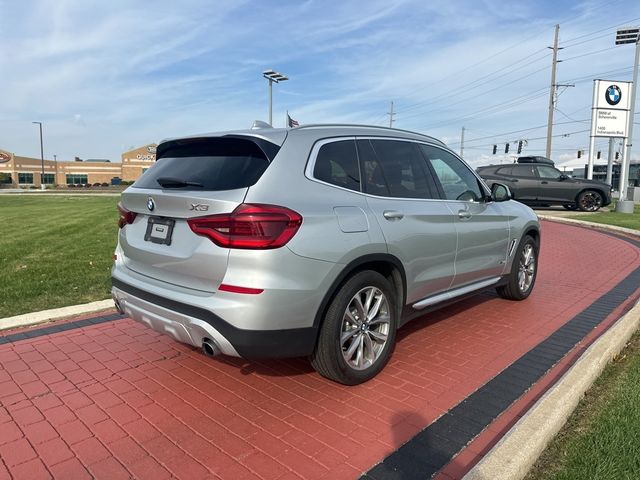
76, 179
49, 179
25, 178
5, 178
337, 164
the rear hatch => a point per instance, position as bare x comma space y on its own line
193, 177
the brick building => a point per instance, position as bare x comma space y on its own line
20, 171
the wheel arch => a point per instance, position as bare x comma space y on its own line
386, 264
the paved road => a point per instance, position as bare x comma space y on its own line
116, 400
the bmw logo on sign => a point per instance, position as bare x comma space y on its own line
150, 204
613, 95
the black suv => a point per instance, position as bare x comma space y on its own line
536, 182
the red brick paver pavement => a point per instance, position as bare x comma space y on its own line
117, 400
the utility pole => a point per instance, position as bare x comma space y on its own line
462, 142
552, 92
391, 114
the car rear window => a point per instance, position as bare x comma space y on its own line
219, 163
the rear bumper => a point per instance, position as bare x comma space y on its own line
191, 324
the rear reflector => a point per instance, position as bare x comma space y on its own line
126, 216
235, 289
249, 226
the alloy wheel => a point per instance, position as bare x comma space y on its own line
527, 268
365, 328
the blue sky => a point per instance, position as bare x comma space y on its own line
104, 76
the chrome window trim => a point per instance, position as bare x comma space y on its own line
313, 155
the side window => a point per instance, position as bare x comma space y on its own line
505, 170
457, 180
375, 182
523, 171
548, 172
337, 164
403, 169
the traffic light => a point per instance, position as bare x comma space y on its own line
506, 148
520, 146
495, 149
617, 155
598, 154
579, 153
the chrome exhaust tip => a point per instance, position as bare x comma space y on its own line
209, 348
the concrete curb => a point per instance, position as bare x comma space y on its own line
54, 314
514, 455
595, 226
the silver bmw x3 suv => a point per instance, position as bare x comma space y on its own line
316, 241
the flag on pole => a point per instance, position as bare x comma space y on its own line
291, 122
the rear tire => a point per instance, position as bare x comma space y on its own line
523, 271
358, 334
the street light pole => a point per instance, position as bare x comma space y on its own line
273, 76
41, 156
626, 36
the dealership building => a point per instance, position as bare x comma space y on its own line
17, 171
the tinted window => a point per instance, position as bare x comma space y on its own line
214, 163
548, 172
401, 165
505, 170
337, 163
457, 180
523, 171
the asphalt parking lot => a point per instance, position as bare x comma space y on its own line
109, 398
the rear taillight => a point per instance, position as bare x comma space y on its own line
250, 226
126, 216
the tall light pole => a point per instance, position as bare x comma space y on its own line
41, 156
626, 36
273, 76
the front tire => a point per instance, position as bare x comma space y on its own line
523, 271
589, 201
359, 330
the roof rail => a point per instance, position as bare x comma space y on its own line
379, 127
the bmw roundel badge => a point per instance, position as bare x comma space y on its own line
150, 204
613, 95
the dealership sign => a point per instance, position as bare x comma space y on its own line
610, 111
4, 157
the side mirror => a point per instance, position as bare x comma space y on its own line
563, 177
500, 192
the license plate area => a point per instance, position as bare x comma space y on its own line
159, 230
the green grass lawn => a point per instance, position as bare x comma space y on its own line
55, 251
627, 220
601, 440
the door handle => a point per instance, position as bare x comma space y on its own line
544, 183
392, 215
464, 214
514, 179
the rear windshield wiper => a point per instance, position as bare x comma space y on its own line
171, 182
